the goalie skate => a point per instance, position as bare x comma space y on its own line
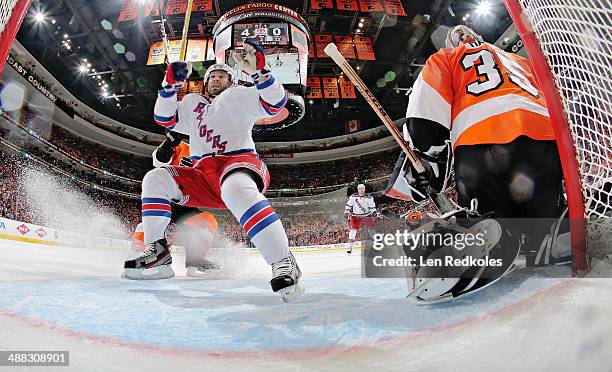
204, 269
285, 281
154, 263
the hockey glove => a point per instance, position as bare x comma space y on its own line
176, 75
347, 215
252, 60
166, 150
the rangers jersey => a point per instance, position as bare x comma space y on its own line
223, 125
360, 206
482, 95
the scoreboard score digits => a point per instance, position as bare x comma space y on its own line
264, 33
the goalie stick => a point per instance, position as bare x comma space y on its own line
439, 199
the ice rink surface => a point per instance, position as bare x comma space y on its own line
58, 298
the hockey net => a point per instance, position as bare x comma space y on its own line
570, 46
12, 13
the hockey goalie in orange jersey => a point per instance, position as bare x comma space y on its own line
483, 107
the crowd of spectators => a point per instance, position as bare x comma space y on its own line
335, 172
98, 156
14, 203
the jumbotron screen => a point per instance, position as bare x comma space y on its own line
264, 33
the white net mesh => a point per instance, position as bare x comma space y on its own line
576, 39
6, 10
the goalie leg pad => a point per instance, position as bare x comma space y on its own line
435, 284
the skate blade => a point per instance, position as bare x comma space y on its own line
158, 272
290, 293
195, 273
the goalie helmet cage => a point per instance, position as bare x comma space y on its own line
12, 13
569, 46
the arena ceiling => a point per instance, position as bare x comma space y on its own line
61, 34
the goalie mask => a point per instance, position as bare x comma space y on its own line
461, 35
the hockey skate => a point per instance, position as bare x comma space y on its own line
285, 281
154, 263
202, 269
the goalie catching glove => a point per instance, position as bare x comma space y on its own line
176, 75
252, 60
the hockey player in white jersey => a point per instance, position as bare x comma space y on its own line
360, 210
227, 173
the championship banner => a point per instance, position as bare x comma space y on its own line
129, 10
313, 87
347, 88
370, 6
347, 5
176, 7
394, 7
321, 4
365, 50
321, 42
330, 87
345, 46
202, 6
151, 9
156, 52
196, 86
196, 50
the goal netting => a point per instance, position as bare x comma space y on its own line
570, 46
12, 13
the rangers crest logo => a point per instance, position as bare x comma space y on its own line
41, 232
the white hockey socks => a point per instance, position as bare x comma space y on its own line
352, 235
258, 219
158, 189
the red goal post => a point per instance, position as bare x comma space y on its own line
569, 46
12, 13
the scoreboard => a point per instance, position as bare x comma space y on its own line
284, 35
264, 33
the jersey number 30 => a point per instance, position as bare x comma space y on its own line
489, 74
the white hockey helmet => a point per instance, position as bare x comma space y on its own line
220, 67
361, 186
457, 36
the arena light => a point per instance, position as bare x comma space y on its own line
65, 36
82, 68
483, 8
39, 17
104, 94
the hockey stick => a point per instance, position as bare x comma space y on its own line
163, 30
438, 199
185, 31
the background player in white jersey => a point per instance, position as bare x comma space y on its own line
227, 173
360, 210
